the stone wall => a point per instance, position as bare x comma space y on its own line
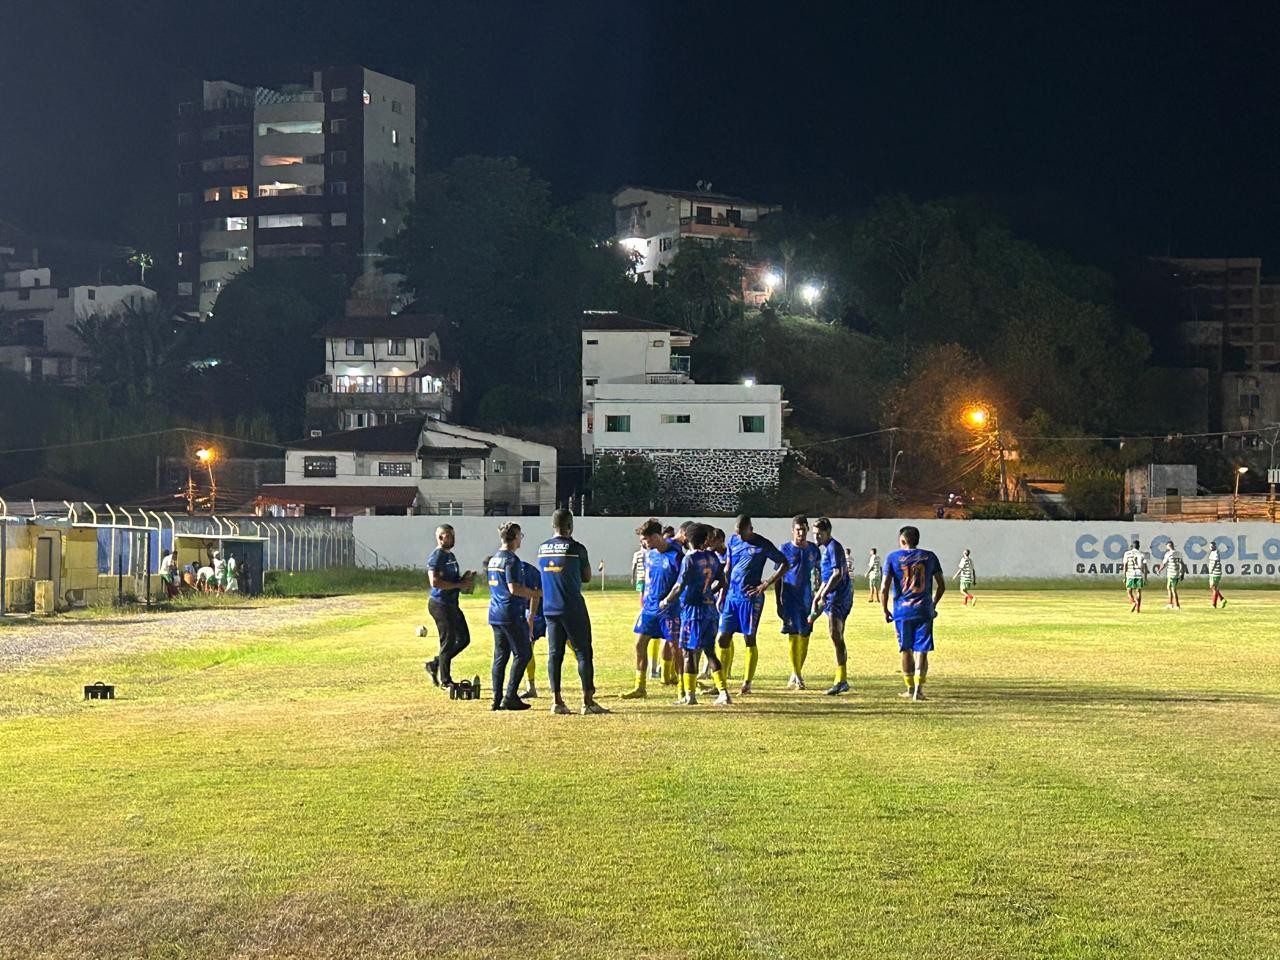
711, 480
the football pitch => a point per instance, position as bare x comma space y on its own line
1082, 783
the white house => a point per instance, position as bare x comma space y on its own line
419, 466
381, 367
651, 223
707, 441
37, 321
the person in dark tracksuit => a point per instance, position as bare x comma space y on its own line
447, 581
508, 616
563, 563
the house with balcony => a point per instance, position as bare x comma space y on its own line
707, 442
380, 368
414, 466
652, 223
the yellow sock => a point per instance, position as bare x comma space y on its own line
804, 650
753, 655
655, 649
726, 660
793, 648
642, 677
691, 684
718, 676
668, 671
842, 673
909, 679
920, 680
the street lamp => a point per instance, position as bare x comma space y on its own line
982, 418
1235, 497
811, 293
893, 469
771, 280
207, 456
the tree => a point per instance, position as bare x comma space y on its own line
701, 289
623, 485
139, 352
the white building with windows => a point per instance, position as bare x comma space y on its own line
708, 442
418, 466
382, 367
651, 223
37, 323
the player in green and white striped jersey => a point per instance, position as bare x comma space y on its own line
1215, 576
1175, 568
967, 577
875, 576
1134, 568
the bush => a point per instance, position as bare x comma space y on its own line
1095, 498
1004, 511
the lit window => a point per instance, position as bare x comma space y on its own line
338, 94
499, 467
213, 195
239, 193
676, 418
281, 160
237, 223
394, 468
395, 137
319, 466
273, 221
618, 424
355, 348
531, 471
396, 348
290, 126
752, 424
338, 219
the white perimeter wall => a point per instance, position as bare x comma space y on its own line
1001, 548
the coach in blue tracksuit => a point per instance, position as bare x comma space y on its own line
564, 566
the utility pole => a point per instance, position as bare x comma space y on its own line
1273, 473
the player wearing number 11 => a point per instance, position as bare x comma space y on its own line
910, 571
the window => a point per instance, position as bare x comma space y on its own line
357, 421
240, 193
337, 126
395, 137
214, 164
499, 467
617, 424
658, 343
531, 471
186, 199
676, 418
276, 220
337, 94
593, 343
338, 219
455, 469
592, 381
184, 288
278, 188
276, 250
93, 294
227, 131
186, 107
355, 348
319, 466
210, 286
751, 424
212, 195
337, 188
395, 468
449, 508
396, 348
289, 159
666, 243
237, 254
337, 158
290, 126
395, 107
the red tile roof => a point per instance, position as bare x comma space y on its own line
336, 495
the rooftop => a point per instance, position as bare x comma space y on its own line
612, 320
385, 325
399, 437
696, 195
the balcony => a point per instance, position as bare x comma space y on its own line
407, 395
373, 384
714, 227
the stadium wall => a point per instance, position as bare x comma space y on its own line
1002, 549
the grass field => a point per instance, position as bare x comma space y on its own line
1084, 783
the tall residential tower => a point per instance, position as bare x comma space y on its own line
320, 169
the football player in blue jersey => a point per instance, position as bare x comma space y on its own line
508, 606
447, 581
697, 587
537, 625
795, 596
834, 597
658, 620
564, 566
747, 553
910, 571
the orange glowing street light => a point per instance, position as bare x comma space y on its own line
982, 418
207, 456
977, 417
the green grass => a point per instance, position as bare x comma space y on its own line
337, 581
1084, 783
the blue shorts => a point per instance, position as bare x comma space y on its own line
742, 616
698, 630
660, 624
914, 635
839, 606
794, 613
539, 629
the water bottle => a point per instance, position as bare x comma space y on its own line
475, 687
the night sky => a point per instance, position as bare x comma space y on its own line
1149, 129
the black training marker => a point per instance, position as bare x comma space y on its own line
99, 691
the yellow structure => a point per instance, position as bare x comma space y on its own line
51, 566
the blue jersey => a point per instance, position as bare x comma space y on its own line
804, 561
911, 572
833, 559
564, 564
445, 565
504, 570
746, 562
700, 580
532, 579
661, 567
